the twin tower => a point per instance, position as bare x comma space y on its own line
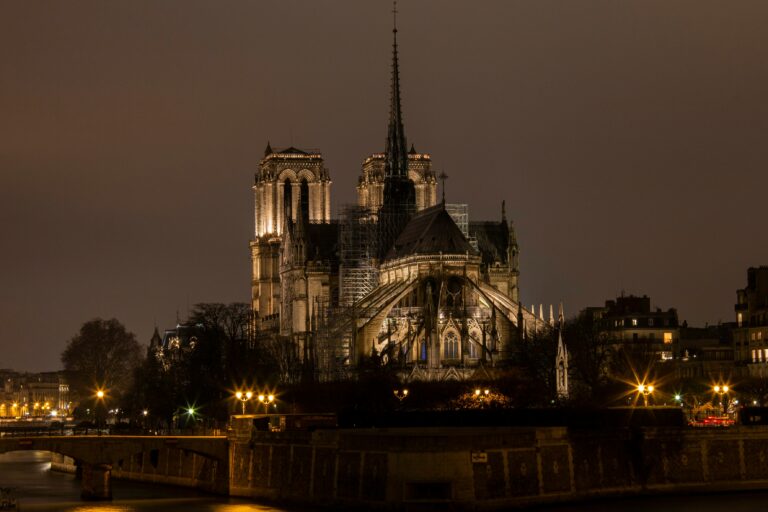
400, 275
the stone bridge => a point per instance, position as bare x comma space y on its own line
94, 456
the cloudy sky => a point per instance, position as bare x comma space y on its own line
628, 139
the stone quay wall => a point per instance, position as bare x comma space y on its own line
169, 466
490, 468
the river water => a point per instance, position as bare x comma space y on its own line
37, 488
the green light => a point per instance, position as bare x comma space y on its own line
191, 411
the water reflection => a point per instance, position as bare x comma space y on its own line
38, 488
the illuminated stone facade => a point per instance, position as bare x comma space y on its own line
425, 287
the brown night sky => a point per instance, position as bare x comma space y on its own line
628, 139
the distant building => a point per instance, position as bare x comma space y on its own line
751, 331
707, 353
630, 321
174, 343
43, 394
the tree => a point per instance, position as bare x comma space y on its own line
103, 355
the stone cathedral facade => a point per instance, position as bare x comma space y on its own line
400, 276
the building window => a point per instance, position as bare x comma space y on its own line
650, 322
451, 346
759, 335
667, 338
754, 355
634, 322
475, 340
739, 319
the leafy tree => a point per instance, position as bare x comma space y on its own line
103, 355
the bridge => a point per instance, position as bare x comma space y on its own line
95, 455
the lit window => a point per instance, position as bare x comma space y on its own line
739, 319
667, 338
754, 355
752, 335
759, 335
634, 322
765, 351
451, 346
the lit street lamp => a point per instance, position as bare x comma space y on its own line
480, 394
401, 394
645, 390
243, 397
266, 400
722, 390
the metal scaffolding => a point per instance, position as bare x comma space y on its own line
358, 274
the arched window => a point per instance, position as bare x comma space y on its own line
287, 199
475, 342
304, 199
423, 350
451, 346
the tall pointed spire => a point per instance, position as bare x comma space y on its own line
396, 163
399, 197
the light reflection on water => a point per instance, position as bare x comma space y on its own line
37, 488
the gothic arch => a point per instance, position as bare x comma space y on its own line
307, 175
287, 174
450, 346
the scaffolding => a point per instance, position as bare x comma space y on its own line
358, 274
460, 215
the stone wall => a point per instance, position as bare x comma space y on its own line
491, 468
171, 466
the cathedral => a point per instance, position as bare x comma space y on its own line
401, 276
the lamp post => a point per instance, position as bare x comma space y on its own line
645, 390
722, 391
266, 400
243, 397
401, 394
100, 396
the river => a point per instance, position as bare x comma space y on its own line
37, 488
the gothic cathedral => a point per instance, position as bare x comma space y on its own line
401, 276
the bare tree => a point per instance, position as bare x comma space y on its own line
103, 355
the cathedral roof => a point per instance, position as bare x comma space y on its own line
492, 240
291, 151
431, 231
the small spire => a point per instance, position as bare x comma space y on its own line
268, 150
503, 211
560, 315
412, 151
443, 177
551, 316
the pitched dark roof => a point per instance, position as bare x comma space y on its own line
431, 231
492, 240
291, 151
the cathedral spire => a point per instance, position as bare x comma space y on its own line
396, 163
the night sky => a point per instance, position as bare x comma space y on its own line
628, 139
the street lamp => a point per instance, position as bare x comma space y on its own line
266, 400
645, 390
401, 394
722, 390
482, 393
243, 397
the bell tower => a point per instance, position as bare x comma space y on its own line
282, 177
